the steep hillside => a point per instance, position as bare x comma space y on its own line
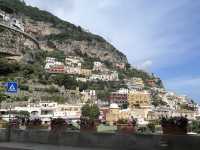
58, 39
56, 34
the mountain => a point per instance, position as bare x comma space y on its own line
53, 33
29, 35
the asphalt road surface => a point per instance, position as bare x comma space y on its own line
32, 146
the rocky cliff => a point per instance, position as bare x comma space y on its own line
56, 34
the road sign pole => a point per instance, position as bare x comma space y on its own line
9, 123
12, 88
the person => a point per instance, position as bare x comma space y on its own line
133, 121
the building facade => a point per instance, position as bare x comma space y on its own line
118, 98
139, 99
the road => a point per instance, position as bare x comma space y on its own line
32, 146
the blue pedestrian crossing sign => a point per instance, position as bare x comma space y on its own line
12, 87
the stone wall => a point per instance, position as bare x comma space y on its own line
105, 140
13, 42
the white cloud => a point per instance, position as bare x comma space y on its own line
185, 85
145, 65
153, 35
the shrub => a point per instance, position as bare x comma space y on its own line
35, 122
58, 123
122, 121
90, 111
181, 122
151, 127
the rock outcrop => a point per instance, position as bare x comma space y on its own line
92, 48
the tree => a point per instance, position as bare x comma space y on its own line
151, 127
125, 105
103, 95
194, 126
90, 111
85, 110
3, 96
23, 114
7, 68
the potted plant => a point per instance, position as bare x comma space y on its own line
89, 117
125, 126
58, 124
152, 127
35, 124
174, 125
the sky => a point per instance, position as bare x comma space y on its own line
158, 36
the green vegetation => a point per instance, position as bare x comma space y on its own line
125, 105
24, 87
55, 98
59, 55
21, 98
69, 82
152, 127
3, 96
103, 94
157, 100
88, 61
132, 72
71, 31
90, 111
122, 121
7, 68
186, 107
194, 126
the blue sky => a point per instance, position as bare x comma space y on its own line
158, 36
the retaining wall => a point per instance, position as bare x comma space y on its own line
105, 140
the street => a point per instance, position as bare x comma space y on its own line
33, 146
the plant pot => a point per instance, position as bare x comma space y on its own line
174, 130
36, 127
58, 127
58, 124
126, 128
88, 125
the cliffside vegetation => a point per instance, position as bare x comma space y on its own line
69, 31
31, 67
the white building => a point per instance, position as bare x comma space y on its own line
123, 91
17, 23
72, 70
98, 66
52, 62
48, 110
105, 77
73, 61
81, 79
4, 16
